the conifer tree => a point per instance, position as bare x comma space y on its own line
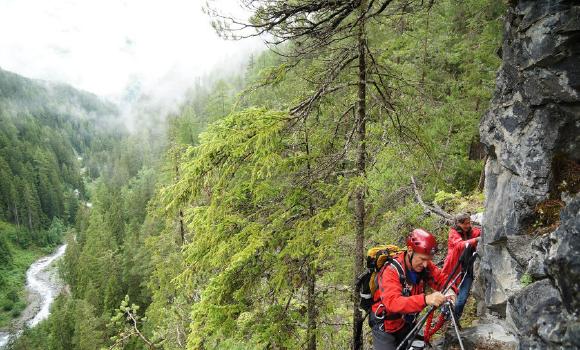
336, 34
255, 193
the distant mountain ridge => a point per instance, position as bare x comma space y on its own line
40, 95
48, 132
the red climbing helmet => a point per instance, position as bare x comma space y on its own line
422, 242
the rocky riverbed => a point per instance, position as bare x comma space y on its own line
43, 285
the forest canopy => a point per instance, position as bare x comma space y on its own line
247, 227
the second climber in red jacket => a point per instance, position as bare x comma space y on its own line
401, 296
461, 237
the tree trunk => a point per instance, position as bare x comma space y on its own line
181, 227
311, 279
311, 330
29, 219
357, 341
16, 216
181, 224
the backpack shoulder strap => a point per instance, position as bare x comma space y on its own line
399, 268
378, 276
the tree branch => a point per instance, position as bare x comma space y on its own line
429, 209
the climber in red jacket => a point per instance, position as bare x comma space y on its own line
461, 236
400, 295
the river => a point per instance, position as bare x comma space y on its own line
43, 285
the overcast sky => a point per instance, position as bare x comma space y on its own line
103, 45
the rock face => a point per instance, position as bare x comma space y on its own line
530, 266
489, 334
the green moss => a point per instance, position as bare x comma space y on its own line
448, 200
458, 202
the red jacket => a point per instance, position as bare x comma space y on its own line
391, 293
456, 245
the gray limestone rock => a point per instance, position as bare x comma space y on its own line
531, 343
533, 120
490, 334
501, 278
536, 267
572, 335
563, 261
551, 328
520, 249
526, 306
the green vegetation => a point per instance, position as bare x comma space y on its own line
44, 130
526, 279
239, 230
47, 133
457, 202
18, 249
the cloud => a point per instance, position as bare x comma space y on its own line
106, 46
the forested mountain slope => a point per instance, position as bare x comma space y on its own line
53, 140
46, 130
243, 235
110, 256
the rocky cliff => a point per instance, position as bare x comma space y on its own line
529, 275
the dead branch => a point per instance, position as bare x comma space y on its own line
138, 332
305, 106
448, 218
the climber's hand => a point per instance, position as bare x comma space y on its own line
435, 299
